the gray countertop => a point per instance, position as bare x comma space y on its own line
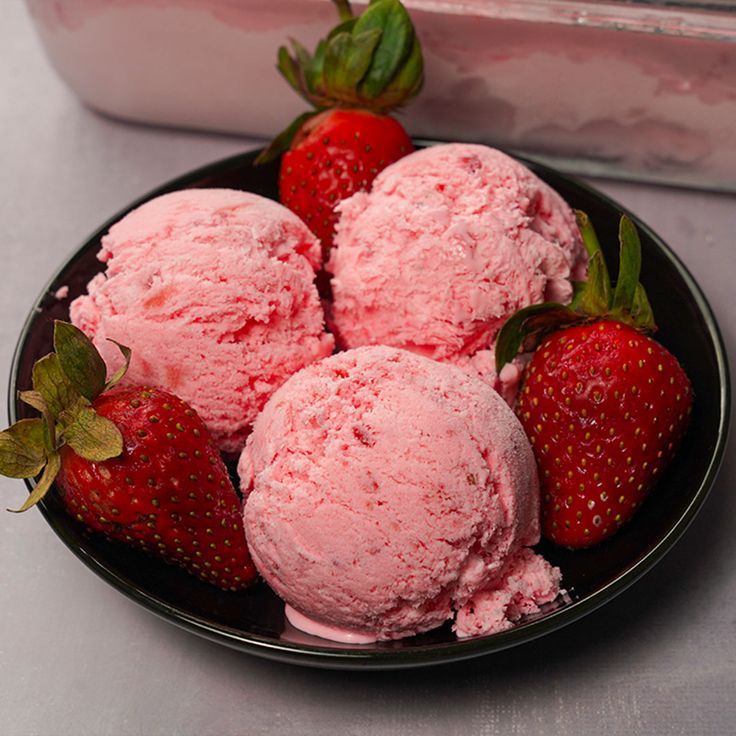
78, 658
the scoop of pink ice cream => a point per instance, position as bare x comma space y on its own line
385, 491
213, 289
450, 241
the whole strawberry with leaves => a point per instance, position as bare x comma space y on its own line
133, 463
367, 67
604, 405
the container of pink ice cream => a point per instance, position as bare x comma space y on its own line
631, 89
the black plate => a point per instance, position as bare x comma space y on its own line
253, 621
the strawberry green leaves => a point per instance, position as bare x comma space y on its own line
641, 311
595, 295
116, 377
81, 363
65, 383
347, 60
25, 452
525, 324
594, 299
51, 383
629, 267
630, 303
371, 62
91, 436
22, 449
408, 80
395, 35
627, 302
360, 58
50, 471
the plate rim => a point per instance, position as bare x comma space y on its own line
431, 654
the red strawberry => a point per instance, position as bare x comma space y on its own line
603, 404
136, 464
334, 155
367, 67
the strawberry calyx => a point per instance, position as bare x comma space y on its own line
65, 383
370, 62
594, 299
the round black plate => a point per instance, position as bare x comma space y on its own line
253, 621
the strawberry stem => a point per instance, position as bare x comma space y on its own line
593, 299
64, 385
343, 9
370, 62
53, 465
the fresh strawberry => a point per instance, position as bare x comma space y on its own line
367, 67
603, 404
134, 463
334, 155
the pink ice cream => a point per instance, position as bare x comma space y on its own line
387, 492
450, 241
213, 289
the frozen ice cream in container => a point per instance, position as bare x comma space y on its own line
643, 90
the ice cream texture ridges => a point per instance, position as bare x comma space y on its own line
213, 289
450, 241
386, 491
